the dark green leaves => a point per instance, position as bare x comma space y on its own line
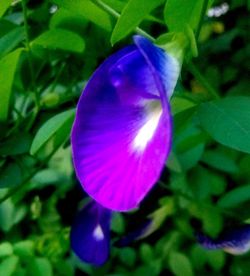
10, 40
8, 66
53, 129
228, 121
60, 39
235, 197
132, 15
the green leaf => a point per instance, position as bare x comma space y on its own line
179, 104
8, 266
24, 248
118, 223
10, 175
216, 259
60, 39
88, 10
235, 197
228, 121
180, 264
179, 14
40, 267
16, 144
51, 127
6, 249
146, 253
4, 6
10, 40
132, 15
220, 161
128, 256
7, 212
8, 66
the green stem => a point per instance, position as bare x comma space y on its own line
202, 80
115, 14
25, 182
202, 15
31, 66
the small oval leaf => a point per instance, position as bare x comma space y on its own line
51, 127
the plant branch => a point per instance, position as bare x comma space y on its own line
202, 15
198, 75
115, 14
31, 66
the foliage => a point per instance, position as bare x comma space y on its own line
48, 50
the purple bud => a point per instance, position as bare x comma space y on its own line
90, 234
235, 241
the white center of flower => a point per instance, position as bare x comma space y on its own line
146, 132
98, 233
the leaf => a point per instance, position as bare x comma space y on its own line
220, 161
15, 145
132, 15
6, 249
50, 128
180, 264
179, 104
117, 223
88, 10
60, 39
24, 249
4, 6
10, 40
228, 121
235, 197
39, 267
127, 256
179, 14
8, 266
8, 66
216, 259
7, 211
10, 175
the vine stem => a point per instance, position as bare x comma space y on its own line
28, 48
25, 181
202, 15
198, 75
116, 14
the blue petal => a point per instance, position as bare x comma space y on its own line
166, 67
90, 234
236, 241
122, 131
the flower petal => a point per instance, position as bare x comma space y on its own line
90, 234
122, 131
165, 67
236, 241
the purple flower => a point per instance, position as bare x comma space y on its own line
90, 234
236, 241
122, 131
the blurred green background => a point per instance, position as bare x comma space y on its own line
48, 50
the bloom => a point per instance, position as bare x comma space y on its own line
121, 136
236, 241
90, 234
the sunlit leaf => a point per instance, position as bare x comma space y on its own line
51, 127
60, 39
8, 66
132, 15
